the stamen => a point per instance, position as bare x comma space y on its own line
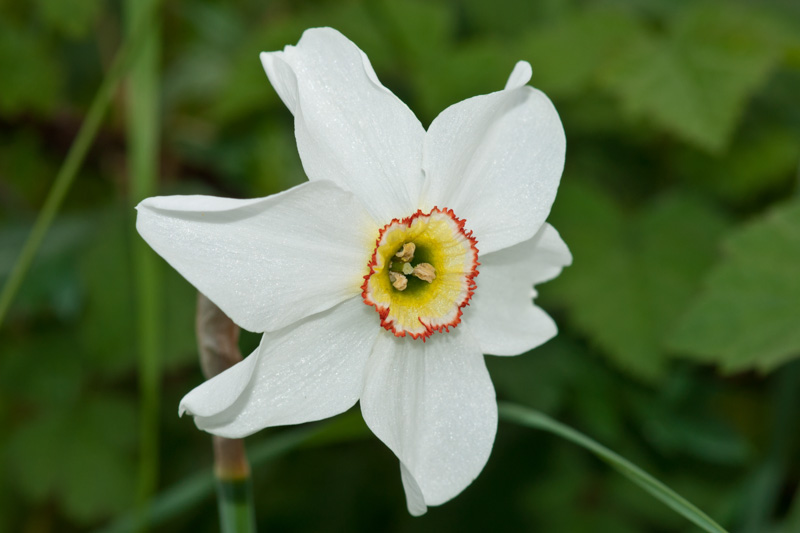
425, 272
407, 253
399, 281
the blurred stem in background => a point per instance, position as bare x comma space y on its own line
764, 493
142, 121
77, 153
218, 345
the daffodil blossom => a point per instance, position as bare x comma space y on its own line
384, 279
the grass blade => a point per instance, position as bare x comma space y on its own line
143, 134
72, 163
534, 419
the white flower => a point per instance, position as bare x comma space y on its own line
391, 220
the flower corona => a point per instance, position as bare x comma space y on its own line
435, 261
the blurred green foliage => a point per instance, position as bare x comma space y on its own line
680, 318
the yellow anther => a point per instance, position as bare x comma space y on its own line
399, 281
407, 253
425, 272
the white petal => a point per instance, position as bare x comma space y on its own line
496, 160
501, 314
265, 262
308, 371
434, 405
415, 501
222, 390
520, 76
350, 129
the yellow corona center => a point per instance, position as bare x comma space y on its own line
422, 273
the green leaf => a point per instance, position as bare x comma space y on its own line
695, 79
536, 420
749, 315
633, 273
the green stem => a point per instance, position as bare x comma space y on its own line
234, 487
142, 107
235, 503
764, 491
534, 419
69, 168
218, 347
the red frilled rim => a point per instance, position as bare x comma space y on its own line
430, 328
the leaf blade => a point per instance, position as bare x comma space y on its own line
749, 314
537, 420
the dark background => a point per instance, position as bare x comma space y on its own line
679, 320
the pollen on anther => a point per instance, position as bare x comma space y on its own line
425, 272
407, 253
399, 281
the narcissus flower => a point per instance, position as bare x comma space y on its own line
385, 278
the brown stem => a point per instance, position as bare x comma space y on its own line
218, 345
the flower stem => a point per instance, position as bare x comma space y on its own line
531, 418
234, 487
218, 345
